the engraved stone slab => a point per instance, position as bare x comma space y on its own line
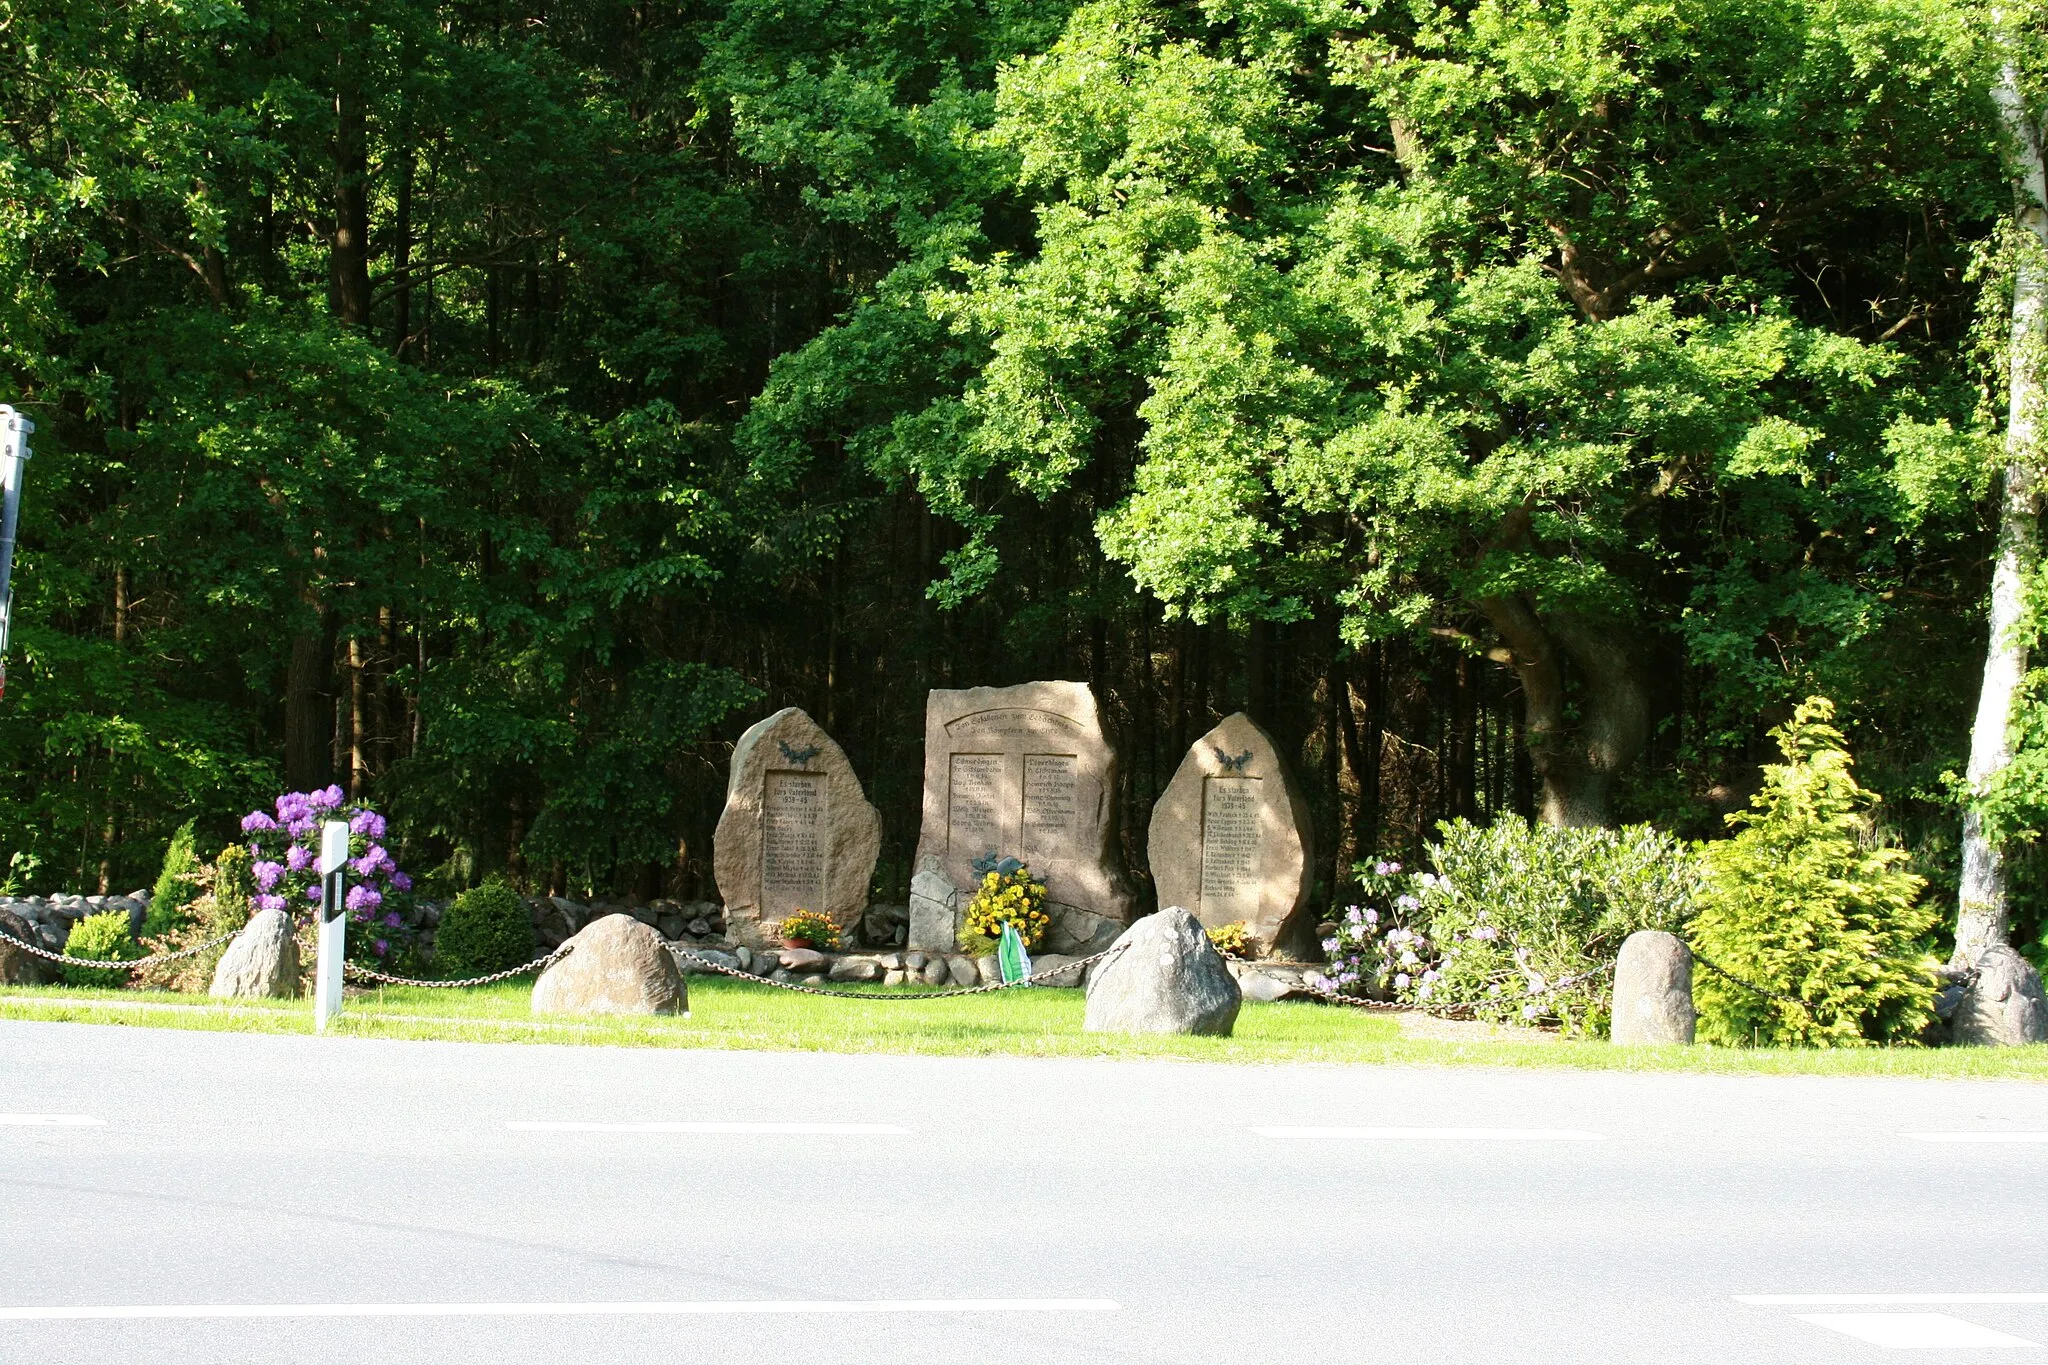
797, 832
1024, 772
1231, 839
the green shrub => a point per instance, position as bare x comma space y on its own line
177, 885
234, 883
1516, 909
1517, 922
103, 937
486, 930
1798, 904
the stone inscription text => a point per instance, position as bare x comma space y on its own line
1232, 868
974, 805
792, 842
1051, 808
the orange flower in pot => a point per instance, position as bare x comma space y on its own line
809, 929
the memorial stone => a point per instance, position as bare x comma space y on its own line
1230, 839
1020, 772
797, 832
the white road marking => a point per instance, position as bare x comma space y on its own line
1914, 1330
1844, 1300
1977, 1137
546, 1310
50, 1121
1439, 1134
837, 1129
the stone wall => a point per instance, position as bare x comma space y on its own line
53, 916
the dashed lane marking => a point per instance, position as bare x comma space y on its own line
1438, 1134
726, 1307
1847, 1300
1977, 1137
835, 1129
1915, 1331
50, 1121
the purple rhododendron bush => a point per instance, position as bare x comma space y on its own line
284, 849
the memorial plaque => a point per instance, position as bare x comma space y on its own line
792, 842
797, 831
1231, 866
1025, 772
1230, 840
974, 797
1052, 784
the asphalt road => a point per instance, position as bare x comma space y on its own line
1113, 1211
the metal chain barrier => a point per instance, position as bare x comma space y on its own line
362, 973
1079, 965
130, 963
1718, 970
1458, 1011
1455, 1011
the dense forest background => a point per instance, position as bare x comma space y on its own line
495, 407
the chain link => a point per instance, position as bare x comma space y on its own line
130, 963
1458, 1011
1750, 986
800, 989
383, 979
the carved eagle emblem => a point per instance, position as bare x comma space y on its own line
797, 756
1232, 765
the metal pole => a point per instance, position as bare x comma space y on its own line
14, 453
333, 923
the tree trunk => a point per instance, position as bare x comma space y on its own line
358, 754
401, 251
349, 257
1982, 902
305, 711
1576, 765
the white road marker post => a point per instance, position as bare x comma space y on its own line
14, 453
333, 923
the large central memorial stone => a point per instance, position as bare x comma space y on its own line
1231, 839
797, 832
1020, 772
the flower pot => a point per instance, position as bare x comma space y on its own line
798, 943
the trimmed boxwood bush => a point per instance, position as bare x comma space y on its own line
106, 938
486, 930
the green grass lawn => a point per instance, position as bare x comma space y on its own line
1034, 1023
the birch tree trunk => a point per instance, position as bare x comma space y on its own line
1981, 908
